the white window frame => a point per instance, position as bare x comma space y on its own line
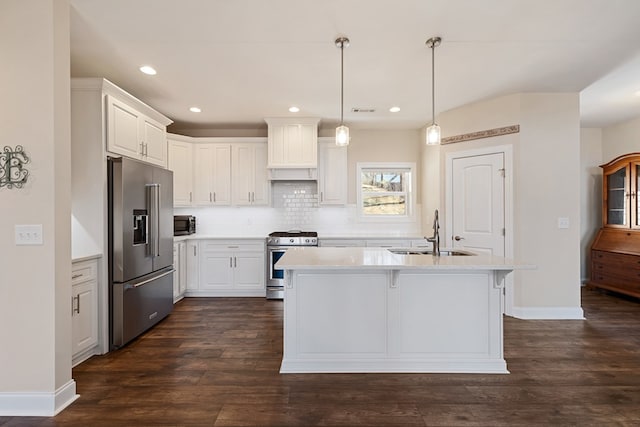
410, 216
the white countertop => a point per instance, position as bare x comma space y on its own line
324, 258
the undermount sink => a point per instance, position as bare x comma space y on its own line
443, 252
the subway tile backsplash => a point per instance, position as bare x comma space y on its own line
298, 201
294, 206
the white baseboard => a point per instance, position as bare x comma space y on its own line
38, 404
548, 313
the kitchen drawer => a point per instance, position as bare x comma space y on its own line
232, 245
341, 243
83, 271
388, 243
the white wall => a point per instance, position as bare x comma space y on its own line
590, 192
382, 146
546, 186
620, 139
35, 291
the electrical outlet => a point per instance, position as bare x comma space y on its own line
28, 234
563, 222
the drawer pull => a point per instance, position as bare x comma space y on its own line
75, 276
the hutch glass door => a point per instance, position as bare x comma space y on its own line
616, 212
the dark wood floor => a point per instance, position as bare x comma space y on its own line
214, 362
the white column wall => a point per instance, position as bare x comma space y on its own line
547, 188
35, 291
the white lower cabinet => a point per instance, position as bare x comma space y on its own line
341, 243
180, 267
230, 268
381, 242
84, 310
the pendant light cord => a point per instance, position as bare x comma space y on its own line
433, 83
341, 83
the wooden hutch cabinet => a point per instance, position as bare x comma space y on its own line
615, 252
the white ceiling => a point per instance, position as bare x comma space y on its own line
243, 60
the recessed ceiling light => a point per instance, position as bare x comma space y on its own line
195, 110
294, 109
394, 109
148, 69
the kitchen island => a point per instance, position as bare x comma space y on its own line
371, 310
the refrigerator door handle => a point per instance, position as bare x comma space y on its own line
154, 210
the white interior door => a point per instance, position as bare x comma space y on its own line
478, 213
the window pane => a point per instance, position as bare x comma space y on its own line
384, 204
376, 181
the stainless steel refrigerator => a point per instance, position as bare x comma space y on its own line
140, 246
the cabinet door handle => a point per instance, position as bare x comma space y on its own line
235, 262
75, 299
142, 148
321, 196
210, 197
214, 196
190, 197
253, 197
194, 250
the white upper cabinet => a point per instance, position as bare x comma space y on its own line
292, 143
212, 166
332, 173
123, 132
219, 171
249, 166
180, 161
134, 129
154, 142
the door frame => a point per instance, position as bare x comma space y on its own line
507, 152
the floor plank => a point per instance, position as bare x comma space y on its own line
215, 361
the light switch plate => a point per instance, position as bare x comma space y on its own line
563, 222
28, 234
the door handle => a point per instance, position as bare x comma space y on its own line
458, 238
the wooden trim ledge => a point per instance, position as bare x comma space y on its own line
481, 134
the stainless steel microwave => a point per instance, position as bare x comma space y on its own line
183, 225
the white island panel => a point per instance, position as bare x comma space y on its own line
442, 314
337, 318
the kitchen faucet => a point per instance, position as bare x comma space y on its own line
436, 235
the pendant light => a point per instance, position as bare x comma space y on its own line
342, 132
433, 131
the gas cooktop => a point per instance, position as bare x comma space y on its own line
294, 233
293, 238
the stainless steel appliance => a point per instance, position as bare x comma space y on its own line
277, 244
184, 225
140, 246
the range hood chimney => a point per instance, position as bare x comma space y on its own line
292, 148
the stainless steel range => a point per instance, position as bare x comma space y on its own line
277, 244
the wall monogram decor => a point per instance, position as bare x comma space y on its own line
12, 171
